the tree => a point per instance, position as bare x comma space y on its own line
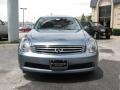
89, 18
83, 18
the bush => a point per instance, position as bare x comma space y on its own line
116, 32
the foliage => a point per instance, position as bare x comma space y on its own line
89, 18
83, 18
116, 32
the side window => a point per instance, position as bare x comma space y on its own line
38, 23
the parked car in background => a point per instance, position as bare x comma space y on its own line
88, 27
24, 29
96, 30
3, 30
58, 45
101, 30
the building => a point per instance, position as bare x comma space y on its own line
106, 12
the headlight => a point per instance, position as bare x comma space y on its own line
25, 45
102, 30
91, 46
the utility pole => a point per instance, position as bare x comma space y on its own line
23, 15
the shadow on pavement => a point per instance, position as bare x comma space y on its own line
103, 38
65, 78
106, 77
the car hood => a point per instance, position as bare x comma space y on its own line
100, 27
57, 38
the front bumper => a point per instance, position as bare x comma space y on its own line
77, 61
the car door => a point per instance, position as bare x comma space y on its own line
3, 28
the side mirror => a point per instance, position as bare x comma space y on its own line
86, 27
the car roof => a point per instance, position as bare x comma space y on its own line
57, 17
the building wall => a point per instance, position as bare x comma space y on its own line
94, 15
95, 11
105, 2
116, 16
115, 13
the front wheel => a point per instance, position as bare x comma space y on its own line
97, 35
108, 37
25, 72
0, 38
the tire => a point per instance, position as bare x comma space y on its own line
97, 36
26, 72
108, 37
29, 73
93, 35
0, 38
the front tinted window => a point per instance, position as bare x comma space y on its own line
85, 24
57, 23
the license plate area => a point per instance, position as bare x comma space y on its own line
58, 65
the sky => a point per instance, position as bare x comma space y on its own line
38, 8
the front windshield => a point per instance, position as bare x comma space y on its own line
57, 23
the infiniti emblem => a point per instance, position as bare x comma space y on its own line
58, 50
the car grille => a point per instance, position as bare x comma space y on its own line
81, 66
38, 66
58, 49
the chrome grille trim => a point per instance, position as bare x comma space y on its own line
58, 49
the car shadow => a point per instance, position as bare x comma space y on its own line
103, 38
105, 77
65, 78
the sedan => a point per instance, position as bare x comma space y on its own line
101, 30
58, 45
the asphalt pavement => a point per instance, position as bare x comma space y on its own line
106, 77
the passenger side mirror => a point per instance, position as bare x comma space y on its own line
86, 27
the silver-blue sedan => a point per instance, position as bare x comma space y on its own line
58, 45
